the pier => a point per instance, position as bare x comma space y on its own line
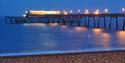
73, 19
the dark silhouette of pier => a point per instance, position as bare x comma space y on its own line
73, 19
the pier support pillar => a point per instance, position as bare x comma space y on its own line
88, 20
78, 20
98, 25
124, 24
116, 22
94, 21
85, 22
110, 24
104, 22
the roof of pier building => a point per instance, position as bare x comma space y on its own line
41, 12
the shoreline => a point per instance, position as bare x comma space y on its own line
117, 56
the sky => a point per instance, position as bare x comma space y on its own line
18, 7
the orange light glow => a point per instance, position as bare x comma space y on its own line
65, 13
80, 29
121, 33
97, 30
103, 39
121, 37
97, 12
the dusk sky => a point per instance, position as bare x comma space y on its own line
18, 7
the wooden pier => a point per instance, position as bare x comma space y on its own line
73, 19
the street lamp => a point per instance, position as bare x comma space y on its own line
123, 10
106, 10
86, 11
96, 12
24, 15
65, 13
71, 11
78, 11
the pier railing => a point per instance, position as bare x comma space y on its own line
73, 19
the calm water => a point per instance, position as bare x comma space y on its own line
26, 39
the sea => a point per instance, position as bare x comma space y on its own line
54, 38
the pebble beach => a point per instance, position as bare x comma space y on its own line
87, 57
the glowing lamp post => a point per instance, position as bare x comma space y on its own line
106, 11
79, 11
86, 11
26, 12
65, 13
123, 10
71, 11
24, 15
96, 12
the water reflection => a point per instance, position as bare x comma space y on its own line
53, 24
97, 30
101, 38
80, 29
63, 26
121, 37
54, 37
36, 24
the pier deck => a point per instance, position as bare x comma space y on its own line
77, 19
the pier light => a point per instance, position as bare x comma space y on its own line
65, 13
97, 11
106, 10
123, 9
86, 11
24, 15
26, 12
78, 11
71, 11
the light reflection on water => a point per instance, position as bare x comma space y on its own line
101, 38
54, 37
53, 24
63, 26
121, 37
36, 24
80, 29
97, 30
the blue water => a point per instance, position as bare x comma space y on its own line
32, 39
